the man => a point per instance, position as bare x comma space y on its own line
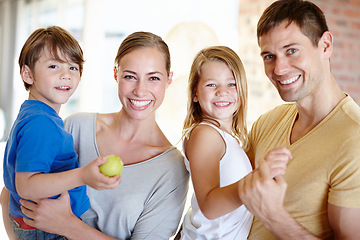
319, 195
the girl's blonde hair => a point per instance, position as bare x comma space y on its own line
194, 113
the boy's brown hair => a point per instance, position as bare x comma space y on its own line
56, 39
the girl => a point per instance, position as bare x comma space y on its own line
214, 128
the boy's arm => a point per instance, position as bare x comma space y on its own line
4, 200
35, 186
55, 216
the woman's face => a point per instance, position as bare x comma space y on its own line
142, 80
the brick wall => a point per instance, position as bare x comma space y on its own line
343, 18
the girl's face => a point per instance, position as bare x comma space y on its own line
52, 81
142, 80
216, 92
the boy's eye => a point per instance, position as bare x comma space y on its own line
211, 85
52, 66
74, 68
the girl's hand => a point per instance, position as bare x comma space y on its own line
277, 160
95, 179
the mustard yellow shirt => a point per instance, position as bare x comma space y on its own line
325, 167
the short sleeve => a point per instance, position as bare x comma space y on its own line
345, 177
39, 142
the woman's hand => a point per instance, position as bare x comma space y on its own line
49, 215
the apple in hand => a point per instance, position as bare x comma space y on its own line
112, 167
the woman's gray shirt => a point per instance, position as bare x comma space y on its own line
148, 203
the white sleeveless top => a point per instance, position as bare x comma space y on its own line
235, 225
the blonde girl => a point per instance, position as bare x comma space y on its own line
215, 138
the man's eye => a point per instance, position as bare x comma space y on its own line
268, 57
292, 51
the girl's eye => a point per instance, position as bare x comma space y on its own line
232, 85
74, 68
211, 85
52, 66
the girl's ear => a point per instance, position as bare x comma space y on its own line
196, 99
26, 75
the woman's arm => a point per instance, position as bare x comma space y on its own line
55, 216
4, 200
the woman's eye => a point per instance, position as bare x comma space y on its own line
128, 77
154, 78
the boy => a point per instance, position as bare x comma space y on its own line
40, 160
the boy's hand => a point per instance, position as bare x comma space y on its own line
277, 160
95, 179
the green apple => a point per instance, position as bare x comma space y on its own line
112, 167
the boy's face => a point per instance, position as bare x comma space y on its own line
52, 81
292, 63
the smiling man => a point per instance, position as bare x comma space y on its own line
319, 196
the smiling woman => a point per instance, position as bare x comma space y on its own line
149, 202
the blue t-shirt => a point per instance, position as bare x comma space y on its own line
39, 143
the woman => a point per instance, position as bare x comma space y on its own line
149, 201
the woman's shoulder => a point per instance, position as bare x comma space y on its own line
81, 119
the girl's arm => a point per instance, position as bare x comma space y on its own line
35, 186
204, 149
55, 216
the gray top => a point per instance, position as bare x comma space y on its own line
150, 199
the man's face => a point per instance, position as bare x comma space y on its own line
292, 63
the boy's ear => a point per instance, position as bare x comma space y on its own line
115, 73
26, 75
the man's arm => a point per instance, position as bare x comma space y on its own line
264, 196
344, 222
